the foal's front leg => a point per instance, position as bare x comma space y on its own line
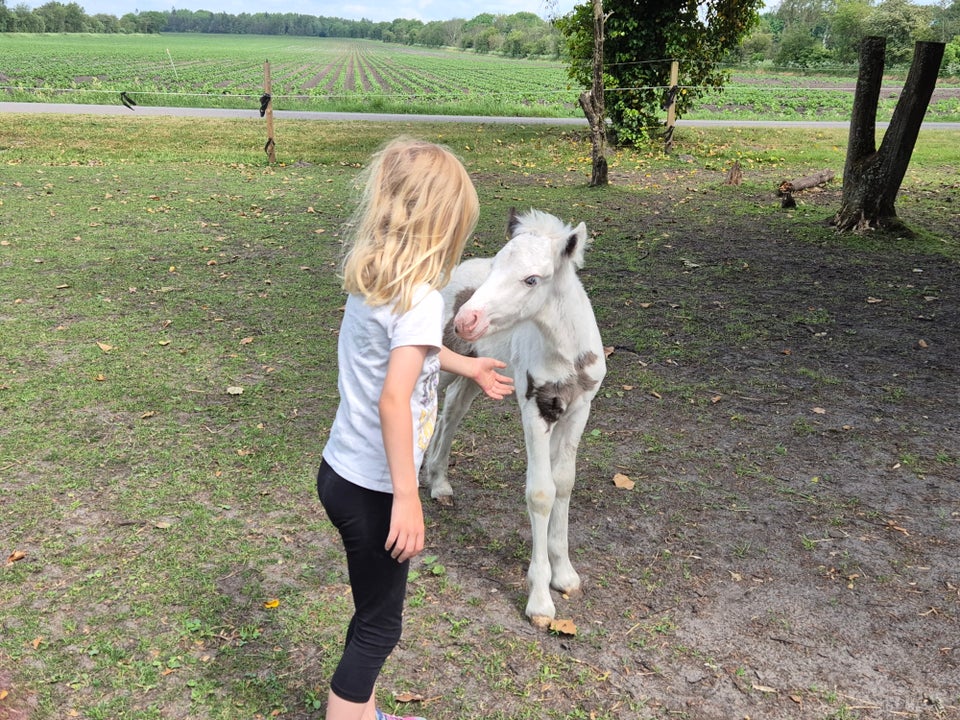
564, 443
540, 495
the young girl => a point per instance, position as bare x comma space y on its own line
417, 209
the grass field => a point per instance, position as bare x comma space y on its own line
322, 74
168, 319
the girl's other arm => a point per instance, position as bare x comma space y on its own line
406, 536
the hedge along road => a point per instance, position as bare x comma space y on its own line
68, 108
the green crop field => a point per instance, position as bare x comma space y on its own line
306, 74
328, 74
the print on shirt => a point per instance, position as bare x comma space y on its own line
428, 408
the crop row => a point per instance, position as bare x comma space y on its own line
334, 68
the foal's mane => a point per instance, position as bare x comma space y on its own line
572, 242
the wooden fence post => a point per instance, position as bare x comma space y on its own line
671, 107
266, 108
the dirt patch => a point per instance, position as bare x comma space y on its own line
24, 705
786, 402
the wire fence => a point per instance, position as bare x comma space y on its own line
365, 82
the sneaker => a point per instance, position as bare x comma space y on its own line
386, 716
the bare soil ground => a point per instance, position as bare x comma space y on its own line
787, 404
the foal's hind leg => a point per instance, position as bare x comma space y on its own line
456, 402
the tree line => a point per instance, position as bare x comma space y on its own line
811, 34
801, 34
518, 35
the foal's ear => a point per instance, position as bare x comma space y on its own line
513, 220
576, 245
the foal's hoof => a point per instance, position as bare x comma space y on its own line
541, 622
444, 500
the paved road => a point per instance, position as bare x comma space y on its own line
119, 109
69, 108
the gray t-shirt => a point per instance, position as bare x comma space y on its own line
367, 335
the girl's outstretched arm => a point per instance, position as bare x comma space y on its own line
482, 370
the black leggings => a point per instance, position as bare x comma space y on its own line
377, 581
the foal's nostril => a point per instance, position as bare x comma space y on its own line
465, 323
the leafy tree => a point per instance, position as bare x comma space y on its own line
946, 21
54, 15
26, 20
805, 33
103, 23
902, 24
474, 29
515, 44
811, 15
799, 48
951, 59
151, 22
522, 21
489, 40
74, 19
128, 23
405, 32
771, 23
642, 37
453, 32
762, 41
6, 17
757, 47
432, 34
848, 28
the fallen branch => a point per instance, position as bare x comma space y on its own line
804, 183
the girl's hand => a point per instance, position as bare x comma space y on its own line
493, 383
407, 535
482, 370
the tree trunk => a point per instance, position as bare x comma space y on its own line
871, 177
598, 137
592, 102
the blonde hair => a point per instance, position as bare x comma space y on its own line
416, 212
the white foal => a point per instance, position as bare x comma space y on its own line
527, 306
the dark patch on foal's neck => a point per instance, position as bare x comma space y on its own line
450, 337
554, 397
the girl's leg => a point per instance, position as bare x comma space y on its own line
340, 709
378, 584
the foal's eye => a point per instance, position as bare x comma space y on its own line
531, 281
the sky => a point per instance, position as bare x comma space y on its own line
375, 10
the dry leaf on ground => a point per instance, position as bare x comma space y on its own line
408, 697
563, 627
623, 482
